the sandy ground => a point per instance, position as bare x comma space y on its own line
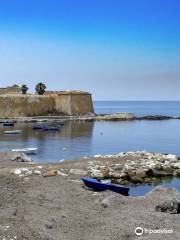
59, 208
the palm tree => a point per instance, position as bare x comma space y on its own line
40, 88
24, 89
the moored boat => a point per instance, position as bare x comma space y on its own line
50, 129
13, 132
26, 150
45, 127
101, 186
8, 124
39, 127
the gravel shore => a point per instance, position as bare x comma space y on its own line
58, 207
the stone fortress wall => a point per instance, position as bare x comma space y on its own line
73, 102
15, 104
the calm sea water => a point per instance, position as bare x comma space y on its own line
139, 108
79, 139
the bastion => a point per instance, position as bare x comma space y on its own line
52, 103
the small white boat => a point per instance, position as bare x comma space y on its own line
26, 150
13, 132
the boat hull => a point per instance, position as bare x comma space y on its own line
39, 127
8, 124
26, 150
99, 186
45, 128
13, 132
51, 129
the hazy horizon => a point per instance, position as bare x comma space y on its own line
117, 50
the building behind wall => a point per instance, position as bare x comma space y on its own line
15, 89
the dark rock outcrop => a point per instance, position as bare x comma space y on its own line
158, 173
172, 206
154, 117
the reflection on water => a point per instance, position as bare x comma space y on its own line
70, 129
89, 138
77, 129
72, 141
140, 190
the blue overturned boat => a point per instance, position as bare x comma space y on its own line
101, 186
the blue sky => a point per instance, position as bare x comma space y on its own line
116, 49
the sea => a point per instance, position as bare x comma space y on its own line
139, 108
85, 139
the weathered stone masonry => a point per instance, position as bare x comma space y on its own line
67, 103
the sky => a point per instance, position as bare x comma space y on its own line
115, 49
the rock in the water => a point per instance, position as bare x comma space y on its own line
116, 117
136, 179
141, 173
154, 117
176, 173
158, 173
172, 206
176, 165
115, 175
147, 180
120, 181
168, 169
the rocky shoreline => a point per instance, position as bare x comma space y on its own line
137, 167
123, 168
89, 117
